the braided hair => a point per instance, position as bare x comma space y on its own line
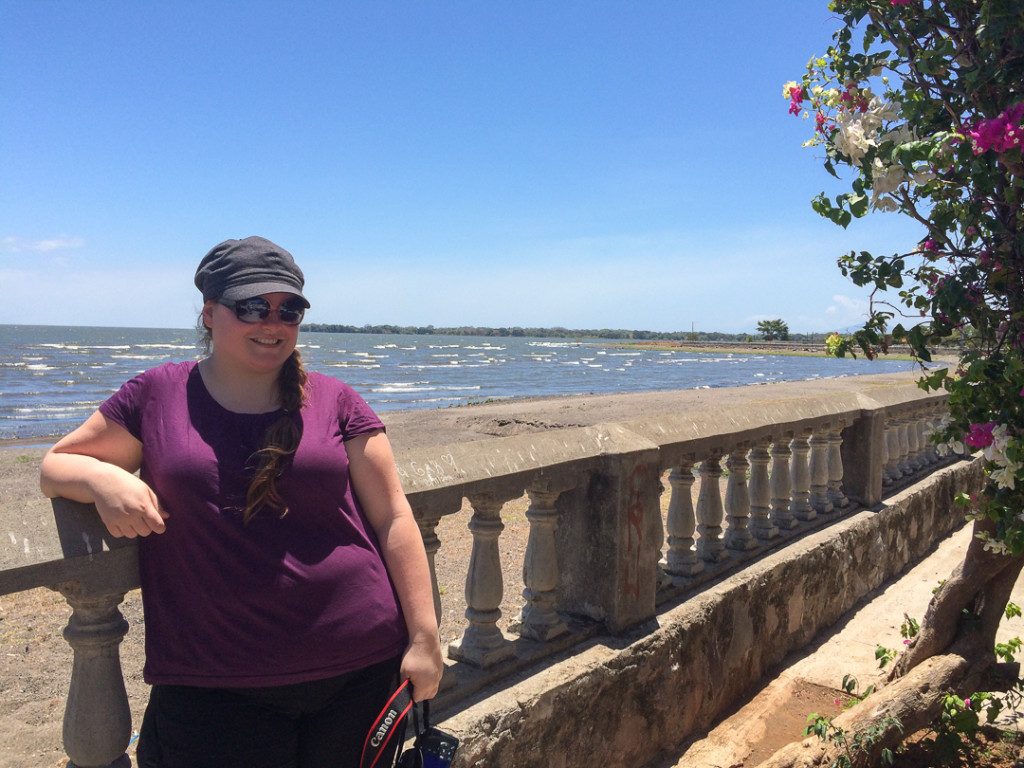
280, 442
281, 439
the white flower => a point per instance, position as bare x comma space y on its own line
886, 203
886, 179
899, 135
996, 452
1006, 477
923, 176
953, 446
852, 141
999, 547
885, 110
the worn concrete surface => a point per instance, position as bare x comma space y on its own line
846, 648
632, 701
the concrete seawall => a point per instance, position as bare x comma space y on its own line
637, 617
626, 701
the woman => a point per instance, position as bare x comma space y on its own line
285, 585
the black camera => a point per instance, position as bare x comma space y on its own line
437, 748
433, 749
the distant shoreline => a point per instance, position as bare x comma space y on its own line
784, 348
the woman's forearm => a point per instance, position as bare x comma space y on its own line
72, 476
406, 561
126, 505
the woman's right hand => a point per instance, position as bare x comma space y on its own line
96, 464
127, 506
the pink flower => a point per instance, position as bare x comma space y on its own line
931, 245
980, 435
1022, 393
796, 98
1001, 133
967, 703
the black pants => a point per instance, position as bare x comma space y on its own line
319, 724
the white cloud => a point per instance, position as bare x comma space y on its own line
12, 244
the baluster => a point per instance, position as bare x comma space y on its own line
818, 469
681, 558
664, 579
761, 492
929, 426
835, 468
737, 503
540, 621
891, 473
905, 466
427, 521
800, 477
913, 444
97, 719
782, 515
710, 513
483, 643
924, 434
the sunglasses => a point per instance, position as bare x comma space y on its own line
256, 310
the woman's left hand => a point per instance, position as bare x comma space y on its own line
423, 665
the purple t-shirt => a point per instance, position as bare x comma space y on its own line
278, 600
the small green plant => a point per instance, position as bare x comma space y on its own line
908, 630
884, 655
955, 728
850, 745
850, 686
1006, 650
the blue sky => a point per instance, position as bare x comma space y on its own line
577, 164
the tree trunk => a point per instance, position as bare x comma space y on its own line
954, 652
966, 608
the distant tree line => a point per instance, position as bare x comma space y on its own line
548, 333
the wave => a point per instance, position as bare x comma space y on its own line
397, 389
76, 347
29, 412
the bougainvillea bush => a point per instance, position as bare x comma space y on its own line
919, 105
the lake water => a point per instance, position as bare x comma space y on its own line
52, 378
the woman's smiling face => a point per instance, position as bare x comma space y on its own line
262, 346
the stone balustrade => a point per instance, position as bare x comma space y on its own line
601, 555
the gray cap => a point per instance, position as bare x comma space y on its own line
241, 269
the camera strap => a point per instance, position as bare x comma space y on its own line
387, 727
